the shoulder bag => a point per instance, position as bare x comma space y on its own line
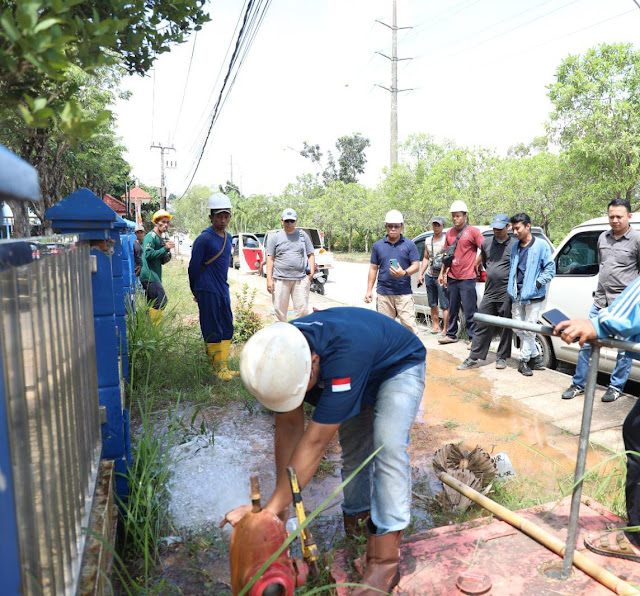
448, 255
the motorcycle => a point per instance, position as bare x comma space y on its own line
318, 281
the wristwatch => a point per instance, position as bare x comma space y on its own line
405, 272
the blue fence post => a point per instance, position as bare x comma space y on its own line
83, 213
18, 181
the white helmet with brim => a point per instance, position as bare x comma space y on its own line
275, 366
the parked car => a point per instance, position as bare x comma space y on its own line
324, 258
420, 298
571, 291
247, 251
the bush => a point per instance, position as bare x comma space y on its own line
245, 320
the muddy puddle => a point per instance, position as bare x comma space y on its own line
465, 404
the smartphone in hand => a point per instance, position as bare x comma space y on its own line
555, 316
393, 263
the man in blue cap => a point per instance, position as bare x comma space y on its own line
495, 257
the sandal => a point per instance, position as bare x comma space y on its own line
603, 544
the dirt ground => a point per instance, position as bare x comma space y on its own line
455, 409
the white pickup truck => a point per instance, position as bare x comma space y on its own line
324, 258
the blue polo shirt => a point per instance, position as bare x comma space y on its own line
359, 349
406, 252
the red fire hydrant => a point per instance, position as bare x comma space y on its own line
254, 539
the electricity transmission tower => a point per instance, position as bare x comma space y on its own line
394, 82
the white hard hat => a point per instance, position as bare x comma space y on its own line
220, 202
459, 206
393, 216
275, 366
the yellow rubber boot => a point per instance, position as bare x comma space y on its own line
223, 371
155, 315
214, 351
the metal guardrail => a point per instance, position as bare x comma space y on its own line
587, 412
47, 349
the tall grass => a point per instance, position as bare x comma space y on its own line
171, 380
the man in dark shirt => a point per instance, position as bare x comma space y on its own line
394, 259
495, 256
364, 374
619, 258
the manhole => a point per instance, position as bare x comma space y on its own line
553, 570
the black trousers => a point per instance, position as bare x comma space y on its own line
631, 436
462, 292
484, 333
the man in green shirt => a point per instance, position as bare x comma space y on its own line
155, 252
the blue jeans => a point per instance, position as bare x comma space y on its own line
383, 486
462, 292
436, 293
620, 373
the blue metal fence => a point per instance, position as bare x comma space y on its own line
51, 414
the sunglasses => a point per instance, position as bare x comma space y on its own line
394, 226
289, 221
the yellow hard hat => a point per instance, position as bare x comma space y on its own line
161, 213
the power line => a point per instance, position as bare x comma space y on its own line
186, 84
497, 36
252, 20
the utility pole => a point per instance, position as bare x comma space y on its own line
164, 163
394, 83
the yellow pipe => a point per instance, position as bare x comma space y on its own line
606, 578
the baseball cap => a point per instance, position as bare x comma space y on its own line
289, 214
437, 219
139, 228
500, 221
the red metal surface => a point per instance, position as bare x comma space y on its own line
254, 539
432, 561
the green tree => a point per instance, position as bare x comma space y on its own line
191, 209
351, 159
43, 40
596, 117
64, 164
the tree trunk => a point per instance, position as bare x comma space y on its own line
21, 227
350, 235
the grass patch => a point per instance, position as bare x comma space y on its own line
451, 424
326, 468
171, 382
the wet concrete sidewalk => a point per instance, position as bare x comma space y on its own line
542, 393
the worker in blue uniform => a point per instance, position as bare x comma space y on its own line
364, 374
210, 256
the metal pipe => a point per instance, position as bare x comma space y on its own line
581, 461
587, 411
548, 330
606, 578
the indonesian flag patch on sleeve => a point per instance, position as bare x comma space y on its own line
341, 384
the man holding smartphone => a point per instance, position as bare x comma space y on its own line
619, 258
394, 259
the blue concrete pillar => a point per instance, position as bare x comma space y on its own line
84, 214
119, 292
9, 548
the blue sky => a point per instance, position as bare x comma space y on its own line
479, 73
